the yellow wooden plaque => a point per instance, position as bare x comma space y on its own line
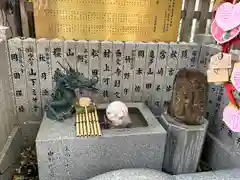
126, 20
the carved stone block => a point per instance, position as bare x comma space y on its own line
62, 155
183, 145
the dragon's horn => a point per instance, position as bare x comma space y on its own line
62, 66
76, 67
70, 68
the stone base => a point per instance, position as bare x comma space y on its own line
183, 145
62, 155
220, 155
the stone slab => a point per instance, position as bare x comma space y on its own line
29, 132
62, 155
10, 153
183, 145
134, 174
149, 174
198, 176
232, 174
220, 155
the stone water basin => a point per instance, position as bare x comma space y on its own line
62, 155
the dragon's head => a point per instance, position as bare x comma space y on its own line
58, 74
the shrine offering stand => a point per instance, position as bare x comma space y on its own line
62, 155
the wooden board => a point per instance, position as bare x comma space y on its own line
32, 78
106, 70
159, 80
128, 72
18, 73
117, 70
45, 69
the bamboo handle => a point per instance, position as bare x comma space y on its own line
77, 125
98, 123
87, 121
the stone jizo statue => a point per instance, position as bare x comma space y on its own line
189, 96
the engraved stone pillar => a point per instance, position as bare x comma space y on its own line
183, 145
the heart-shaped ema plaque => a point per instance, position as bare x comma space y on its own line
235, 77
222, 36
231, 117
228, 16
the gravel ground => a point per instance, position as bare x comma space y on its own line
27, 168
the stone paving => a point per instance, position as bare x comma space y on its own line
149, 174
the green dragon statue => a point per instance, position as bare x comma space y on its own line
64, 96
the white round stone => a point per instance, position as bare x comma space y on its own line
117, 113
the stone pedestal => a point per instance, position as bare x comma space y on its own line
221, 154
183, 145
62, 155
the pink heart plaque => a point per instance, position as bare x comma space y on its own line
228, 16
221, 36
231, 117
235, 77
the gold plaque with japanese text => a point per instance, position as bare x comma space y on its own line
125, 20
